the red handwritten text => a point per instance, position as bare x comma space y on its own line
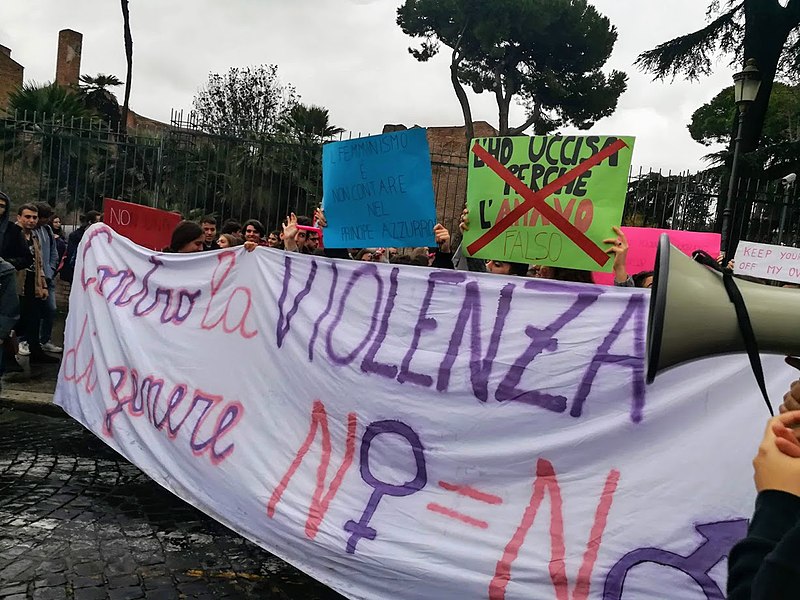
319, 502
546, 481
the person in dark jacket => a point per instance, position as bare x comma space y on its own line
765, 565
14, 256
73, 241
13, 247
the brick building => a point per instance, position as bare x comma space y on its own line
11, 73
68, 63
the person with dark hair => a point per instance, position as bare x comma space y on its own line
504, 267
209, 225
274, 239
13, 247
74, 239
14, 256
644, 279
50, 258
58, 232
254, 232
32, 289
232, 227
294, 238
187, 237
564, 274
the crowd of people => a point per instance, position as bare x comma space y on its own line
34, 252
305, 234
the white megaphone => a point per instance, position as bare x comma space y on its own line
692, 316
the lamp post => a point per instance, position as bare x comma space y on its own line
788, 182
745, 84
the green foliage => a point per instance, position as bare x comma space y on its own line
244, 102
712, 123
692, 54
96, 96
309, 123
545, 54
36, 101
779, 153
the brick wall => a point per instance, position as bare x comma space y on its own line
68, 65
62, 295
11, 73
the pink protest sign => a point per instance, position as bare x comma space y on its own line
643, 242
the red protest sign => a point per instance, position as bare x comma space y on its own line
148, 227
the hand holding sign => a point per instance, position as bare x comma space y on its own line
442, 237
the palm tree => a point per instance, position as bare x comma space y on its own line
47, 138
126, 21
310, 124
97, 96
50, 100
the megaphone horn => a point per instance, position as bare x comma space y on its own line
692, 316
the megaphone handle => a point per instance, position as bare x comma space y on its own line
746, 328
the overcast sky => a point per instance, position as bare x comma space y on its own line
347, 55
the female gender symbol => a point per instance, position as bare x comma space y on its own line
362, 529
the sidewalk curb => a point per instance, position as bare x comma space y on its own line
31, 402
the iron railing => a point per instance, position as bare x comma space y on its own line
74, 164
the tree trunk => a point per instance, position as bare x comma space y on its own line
767, 28
126, 21
503, 102
469, 130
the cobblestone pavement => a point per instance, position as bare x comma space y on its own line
77, 521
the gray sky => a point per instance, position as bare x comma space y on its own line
347, 55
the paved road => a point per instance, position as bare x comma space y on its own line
79, 522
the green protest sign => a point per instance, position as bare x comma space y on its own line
546, 200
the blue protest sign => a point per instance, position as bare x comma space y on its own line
378, 191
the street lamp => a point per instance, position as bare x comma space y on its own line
745, 86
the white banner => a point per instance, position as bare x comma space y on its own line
400, 432
781, 263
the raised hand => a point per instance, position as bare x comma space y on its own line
442, 237
619, 250
463, 225
289, 232
319, 217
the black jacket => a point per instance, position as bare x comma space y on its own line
13, 247
766, 564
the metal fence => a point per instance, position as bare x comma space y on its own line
763, 210
74, 165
